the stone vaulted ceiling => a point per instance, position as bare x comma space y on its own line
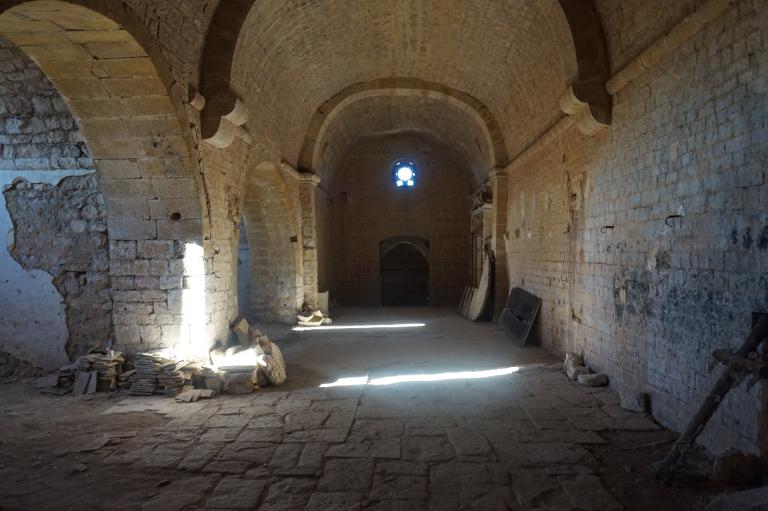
514, 58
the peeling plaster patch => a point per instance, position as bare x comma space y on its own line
35, 314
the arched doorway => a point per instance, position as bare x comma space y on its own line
404, 273
271, 221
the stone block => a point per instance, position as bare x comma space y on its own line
165, 167
126, 283
57, 53
122, 250
128, 67
154, 126
122, 228
181, 230
118, 169
104, 128
108, 35
155, 249
148, 105
81, 88
118, 268
113, 149
149, 267
152, 296
163, 146
174, 187
98, 107
133, 87
162, 209
126, 188
115, 49
150, 334
127, 334
128, 208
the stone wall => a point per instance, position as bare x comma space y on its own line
55, 292
37, 130
368, 208
325, 228
649, 243
61, 230
270, 210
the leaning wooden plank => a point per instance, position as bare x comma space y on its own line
81, 383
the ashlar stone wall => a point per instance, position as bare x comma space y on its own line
367, 209
649, 243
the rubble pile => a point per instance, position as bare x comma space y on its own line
309, 317
577, 371
252, 362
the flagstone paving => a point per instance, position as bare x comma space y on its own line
527, 439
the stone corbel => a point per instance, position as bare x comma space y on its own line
231, 127
307, 177
196, 100
588, 120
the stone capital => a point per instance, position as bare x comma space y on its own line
307, 177
497, 173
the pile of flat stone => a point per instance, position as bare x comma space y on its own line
172, 378
65, 378
98, 371
577, 371
148, 368
108, 367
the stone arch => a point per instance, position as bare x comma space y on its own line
125, 113
329, 110
271, 221
588, 95
131, 128
216, 65
122, 15
420, 244
404, 268
469, 109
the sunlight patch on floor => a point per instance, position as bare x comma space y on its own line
410, 378
381, 326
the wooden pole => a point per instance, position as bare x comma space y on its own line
731, 377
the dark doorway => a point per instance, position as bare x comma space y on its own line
404, 276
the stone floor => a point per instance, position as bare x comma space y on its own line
448, 416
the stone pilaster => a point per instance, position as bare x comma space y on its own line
308, 210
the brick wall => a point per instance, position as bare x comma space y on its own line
649, 243
367, 209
